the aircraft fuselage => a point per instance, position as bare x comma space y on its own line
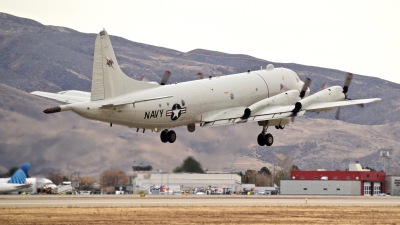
191, 101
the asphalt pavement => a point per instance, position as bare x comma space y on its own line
191, 200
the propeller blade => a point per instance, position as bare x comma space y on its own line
337, 116
305, 87
325, 86
347, 82
200, 76
165, 78
144, 79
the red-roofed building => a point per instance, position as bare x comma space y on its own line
356, 181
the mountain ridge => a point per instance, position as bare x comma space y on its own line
51, 58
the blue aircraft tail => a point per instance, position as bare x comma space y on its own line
19, 177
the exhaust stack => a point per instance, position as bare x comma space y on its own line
57, 109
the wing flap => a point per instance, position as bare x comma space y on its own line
224, 117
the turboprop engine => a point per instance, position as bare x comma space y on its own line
285, 98
330, 94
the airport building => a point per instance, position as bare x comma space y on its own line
183, 181
393, 185
355, 182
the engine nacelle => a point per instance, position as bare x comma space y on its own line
285, 98
331, 94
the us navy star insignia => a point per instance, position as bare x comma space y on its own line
176, 112
109, 63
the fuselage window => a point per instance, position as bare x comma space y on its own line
159, 105
167, 103
183, 102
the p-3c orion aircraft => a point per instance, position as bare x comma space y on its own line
270, 96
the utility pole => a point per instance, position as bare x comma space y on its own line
385, 156
273, 177
168, 182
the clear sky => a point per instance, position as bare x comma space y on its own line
362, 37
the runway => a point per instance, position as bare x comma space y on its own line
7, 201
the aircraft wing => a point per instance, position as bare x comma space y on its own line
224, 117
233, 116
327, 105
71, 96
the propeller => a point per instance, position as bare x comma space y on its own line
144, 79
297, 106
200, 76
165, 77
307, 83
325, 86
346, 86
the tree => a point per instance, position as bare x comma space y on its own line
285, 164
369, 168
240, 173
294, 168
110, 177
12, 171
65, 178
57, 178
189, 165
265, 170
85, 183
9, 173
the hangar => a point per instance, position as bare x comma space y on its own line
182, 181
393, 185
356, 182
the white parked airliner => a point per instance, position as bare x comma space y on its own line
271, 97
17, 182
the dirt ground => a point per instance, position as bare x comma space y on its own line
202, 215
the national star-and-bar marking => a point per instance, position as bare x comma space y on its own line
109, 62
175, 113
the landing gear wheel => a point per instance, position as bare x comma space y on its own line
281, 127
171, 136
278, 127
269, 139
261, 139
163, 136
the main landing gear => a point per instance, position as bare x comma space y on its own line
168, 136
265, 138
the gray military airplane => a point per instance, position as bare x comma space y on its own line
270, 96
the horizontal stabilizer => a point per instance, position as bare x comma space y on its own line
65, 96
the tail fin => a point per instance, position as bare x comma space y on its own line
19, 177
108, 80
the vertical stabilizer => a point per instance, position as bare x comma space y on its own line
108, 80
19, 177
